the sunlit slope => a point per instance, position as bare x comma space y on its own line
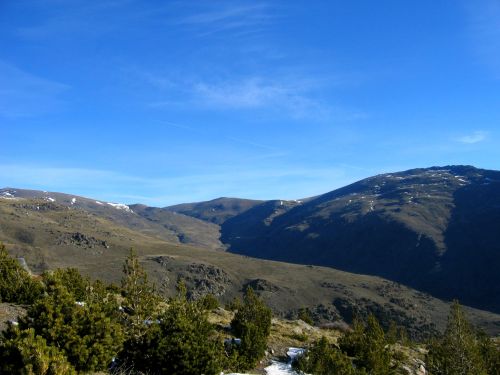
50, 235
435, 229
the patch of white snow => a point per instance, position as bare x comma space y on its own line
293, 353
120, 206
280, 368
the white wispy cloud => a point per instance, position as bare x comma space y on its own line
475, 137
67, 18
289, 96
288, 182
23, 94
484, 28
234, 17
252, 93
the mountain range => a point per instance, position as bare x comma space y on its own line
395, 244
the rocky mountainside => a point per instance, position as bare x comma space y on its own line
49, 234
163, 224
434, 229
217, 210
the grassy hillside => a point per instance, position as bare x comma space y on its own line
434, 229
217, 210
154, 222
49, 235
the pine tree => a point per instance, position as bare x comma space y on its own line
324, 358
23, 352
369, 347
458, 351
87, 336
490, 351
140, 300
71, 279
180, 342
251, 323
16, 284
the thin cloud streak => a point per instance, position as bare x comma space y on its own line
484, 27
241, 182
235, 18
77, 17
231, 12
24, 95
476, 137
291, 96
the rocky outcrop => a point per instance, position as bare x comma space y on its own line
82, 240
202, 279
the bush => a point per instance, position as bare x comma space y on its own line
22, 352
251, 323
490, 353
84, 333
305, 316
299, 336
181, 342
458, 350
234, 305
324, 358
369, 347
140, 301
208, 302
16, 284
71, 279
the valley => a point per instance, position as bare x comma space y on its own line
354, 249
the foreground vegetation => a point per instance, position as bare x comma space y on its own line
74, 325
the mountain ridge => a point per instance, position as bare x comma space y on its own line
433, 229
408, 226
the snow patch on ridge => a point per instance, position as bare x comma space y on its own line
8, 194
120, 206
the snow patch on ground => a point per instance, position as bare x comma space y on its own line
99, 203
293, 353
73, 201
120, 206
8, 195
281, 368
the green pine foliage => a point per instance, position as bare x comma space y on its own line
234, 305
71, 279
324, 358
87, 336
460, 350
24, 353
305, 316
208, 302
369, 347
180, 342
140, 301
251, 323
16, 284
490, 351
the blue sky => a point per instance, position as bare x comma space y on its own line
163, 102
